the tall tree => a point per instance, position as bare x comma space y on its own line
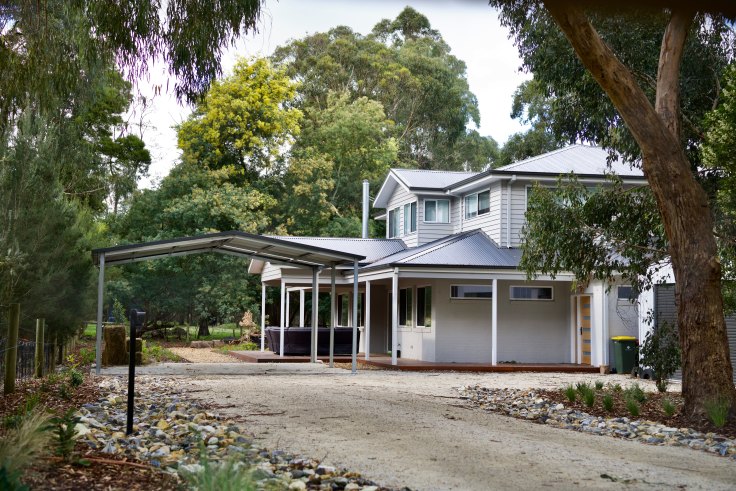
653, 115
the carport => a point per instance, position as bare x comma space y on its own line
240, 244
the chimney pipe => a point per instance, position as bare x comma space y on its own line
366, 199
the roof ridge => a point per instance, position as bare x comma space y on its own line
436, 171
542, 155
312, 237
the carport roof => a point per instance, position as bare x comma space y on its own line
233, 243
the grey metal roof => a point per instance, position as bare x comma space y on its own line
430, 179
580, 159
371, 249
467, 249
233, 243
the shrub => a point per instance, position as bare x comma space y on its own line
608, 402
570, 393
598, 384
661, 352
582, 388
589, 398
617, 387
66, 434
76, 378
221, 476
668, 407
633, 407
717, 411
636, 393
20, 447
14, 420
87, 356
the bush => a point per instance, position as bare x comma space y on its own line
661, 352
86, 356
668, 407
570, 393
598, 384
582, 388
717, 411
633, 407
76, 378
589, 398
20, 447
636, 393
608, 402
221, 476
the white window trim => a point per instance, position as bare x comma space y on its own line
471, 298
477, 206
417, 327
449, 210
397, 209
412, 308
403, 218
511, 297
624, 301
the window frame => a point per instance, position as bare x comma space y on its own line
476, 211
539, 287
460, 285
408, 305
412, 218
437, 200
628, 300
391, 234
424, 327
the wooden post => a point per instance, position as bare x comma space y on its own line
11, 353
52, 360
40, 325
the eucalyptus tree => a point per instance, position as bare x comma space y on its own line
654, 76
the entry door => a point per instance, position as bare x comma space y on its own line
584, 328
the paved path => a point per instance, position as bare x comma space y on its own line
410, 429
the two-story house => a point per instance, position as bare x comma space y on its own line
444, 285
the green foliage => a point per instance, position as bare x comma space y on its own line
589, 398
572, 228
598, 384
607, 402
661, 352
617, 387
21, 446
76, 378
668, 407
157, 353
633, 407
86, 356
118, 311
635, 392
571, 393
14, 420
582, 388
228, 475
249, 346
64, 428
717, 411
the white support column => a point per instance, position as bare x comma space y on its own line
394, 316
333, 315
367, 309
355, 316
100, 294
263, 317
315, 311
283, 321
301, 307
494, 324
287, 323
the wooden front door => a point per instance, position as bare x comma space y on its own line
584, 328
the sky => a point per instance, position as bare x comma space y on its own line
470, 27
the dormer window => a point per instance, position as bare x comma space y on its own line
477, 204
437, 211
394, 226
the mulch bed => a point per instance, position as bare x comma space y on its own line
651, 410
105, 472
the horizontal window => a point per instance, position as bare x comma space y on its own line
625, 294
437, 210
471, 291
477, 204
531, 293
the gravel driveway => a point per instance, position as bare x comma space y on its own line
411, 429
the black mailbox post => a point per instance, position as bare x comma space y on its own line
137, 318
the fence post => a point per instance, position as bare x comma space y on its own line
40, 325
52, 359
11, 355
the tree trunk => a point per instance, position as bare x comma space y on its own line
706, 365
204, 328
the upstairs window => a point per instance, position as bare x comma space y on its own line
410, 218
477, 204
437, 211
394, 227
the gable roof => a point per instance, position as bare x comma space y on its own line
579, 159
417, 180
466, 249
370, 249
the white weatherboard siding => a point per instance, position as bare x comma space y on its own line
433, 231
496, 215
503, 213
534, 331
483, 222
463, 325
401, 197
518, 210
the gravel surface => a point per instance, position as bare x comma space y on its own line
414, 429
203, 355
